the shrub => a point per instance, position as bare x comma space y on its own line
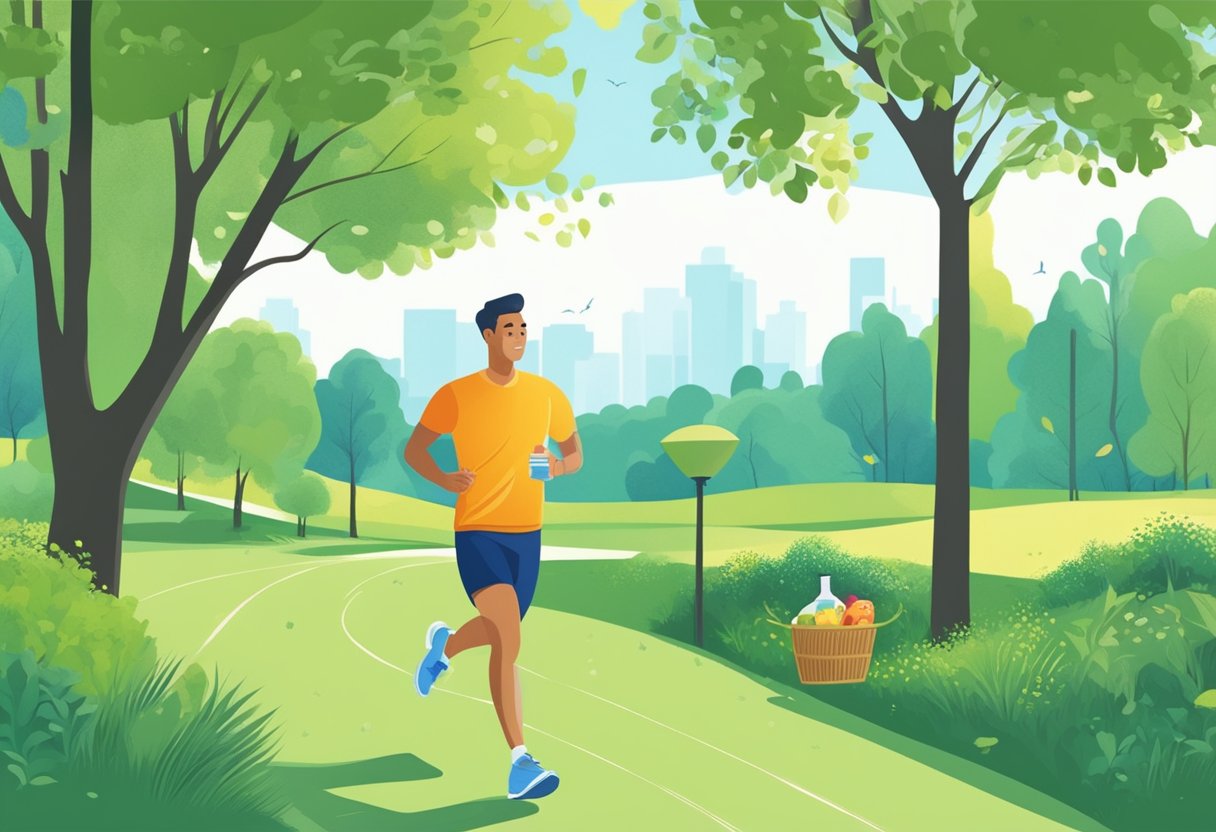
741, 596
25, 491
95, 732
1168, 551
48, 606
42, 720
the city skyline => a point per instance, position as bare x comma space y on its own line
701, 336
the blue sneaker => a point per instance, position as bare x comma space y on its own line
529, 781
434, 662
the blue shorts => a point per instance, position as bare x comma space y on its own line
488, 558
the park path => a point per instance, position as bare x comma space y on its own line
643, 732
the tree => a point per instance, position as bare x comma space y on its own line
360, 418
877, 388
748, 377
305, 496
791, 382
381, 144
1057, 436
1115, 265
22, 415
1178, 373
261, 386
190, 430
970, 70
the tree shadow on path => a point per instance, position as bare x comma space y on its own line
315, 808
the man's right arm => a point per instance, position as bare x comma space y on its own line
418, 456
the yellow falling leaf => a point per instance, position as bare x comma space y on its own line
1047, 425
1104, 450
870, 459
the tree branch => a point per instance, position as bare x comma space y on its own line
364, 175
864, 57
240, 85
957, 106
289, 258
212, 160
311, 156
9, 201
974, 156
77, 186
213, 115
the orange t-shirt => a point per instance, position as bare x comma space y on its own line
495, 428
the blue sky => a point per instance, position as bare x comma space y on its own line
613, 124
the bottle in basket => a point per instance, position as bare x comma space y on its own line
827, 608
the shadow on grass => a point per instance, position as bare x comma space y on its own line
315, 808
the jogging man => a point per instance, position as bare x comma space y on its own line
498, 417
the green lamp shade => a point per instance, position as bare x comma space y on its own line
700, 450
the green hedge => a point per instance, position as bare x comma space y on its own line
96, 732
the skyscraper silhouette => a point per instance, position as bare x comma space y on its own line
867, 284
282, 314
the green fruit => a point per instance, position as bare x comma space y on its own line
806, 620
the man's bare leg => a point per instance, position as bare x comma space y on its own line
473, 633
499, 609
476, 633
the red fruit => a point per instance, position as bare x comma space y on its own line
848, 602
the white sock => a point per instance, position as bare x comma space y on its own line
517, 752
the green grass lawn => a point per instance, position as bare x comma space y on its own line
627, 718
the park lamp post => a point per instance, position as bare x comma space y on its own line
700, 451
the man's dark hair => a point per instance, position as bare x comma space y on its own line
487, 318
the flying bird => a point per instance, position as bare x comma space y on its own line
1041, 269
617, 83
580, 311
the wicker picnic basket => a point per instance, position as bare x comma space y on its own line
829, 654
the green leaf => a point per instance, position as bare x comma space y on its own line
521, 201
587, 182
1072, 142
677, 133
706, 136
606, 199
1106, 176
556, 183
578, 79
838, 206
1085, 173
941, 98
873, 92
532, 236
795, 189
1207, 699
658, 134
584, 227
564, 239
718, 160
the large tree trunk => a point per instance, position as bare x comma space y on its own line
354, 526
951, 595
89, 458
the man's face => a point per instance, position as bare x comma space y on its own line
510, 336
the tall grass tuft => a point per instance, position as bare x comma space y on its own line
183, 747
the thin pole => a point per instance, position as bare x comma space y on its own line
699, 605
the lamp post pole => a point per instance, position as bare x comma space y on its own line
698, 611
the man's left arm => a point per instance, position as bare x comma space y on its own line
572, 456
